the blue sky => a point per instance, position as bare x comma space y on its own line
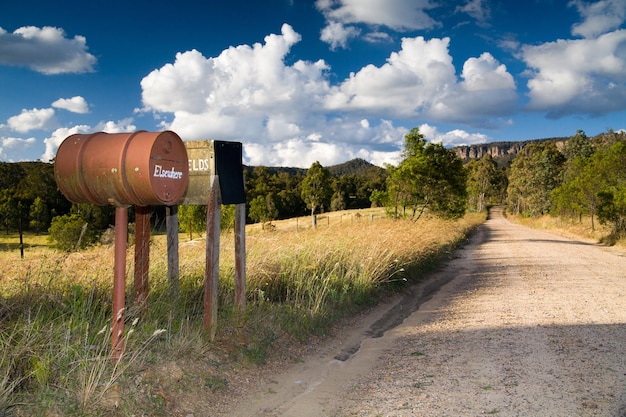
303, 81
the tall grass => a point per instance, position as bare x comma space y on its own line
55, 310
573, 228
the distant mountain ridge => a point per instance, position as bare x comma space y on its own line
356, 166
502, 152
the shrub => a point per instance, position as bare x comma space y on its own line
70, 232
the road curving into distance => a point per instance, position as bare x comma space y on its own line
521, 323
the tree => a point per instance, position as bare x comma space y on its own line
192, 218
38, 215
578, 146
260, 181
316, 188
263, 209
611, 164
534, 173
9, 209
578, 194
592, 179
379, 198
430, 177
483, 182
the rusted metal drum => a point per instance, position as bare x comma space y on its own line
140, 168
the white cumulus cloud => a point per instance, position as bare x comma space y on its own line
337, 35
32, 119
46, 50
343, 16
290, 114
76, 104
598, 17
581, 76
401, 15
13, 149
455, 137
420, 80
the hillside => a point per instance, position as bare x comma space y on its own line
357, 166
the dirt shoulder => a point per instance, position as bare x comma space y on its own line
528, 323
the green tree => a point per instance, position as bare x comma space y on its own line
483, 182
9, 209
592, 179
316, 188
534, 173
430, 177
263, 209
338, 201
38, 215
578, 146
578, 194
611, 164
99, 218
192, 219
379, 198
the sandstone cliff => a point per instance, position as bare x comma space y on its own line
502, 152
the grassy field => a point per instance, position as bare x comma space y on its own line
571, 228
55, 309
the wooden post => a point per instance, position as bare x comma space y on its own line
21, 236
171, 226
142, 256
211, 272
119, 282
240, 257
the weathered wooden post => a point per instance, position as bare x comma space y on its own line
171, 225
240, 257
124, 169
142, 255
212, 270
119, 283
216, 178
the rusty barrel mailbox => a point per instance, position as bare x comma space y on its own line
140, 168
123, 169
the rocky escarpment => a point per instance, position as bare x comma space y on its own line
502, 152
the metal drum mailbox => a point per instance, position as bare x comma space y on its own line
140, 168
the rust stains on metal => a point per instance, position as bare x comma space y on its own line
140, 168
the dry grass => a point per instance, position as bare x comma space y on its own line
574, 229
299, 280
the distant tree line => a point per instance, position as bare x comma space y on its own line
584, 177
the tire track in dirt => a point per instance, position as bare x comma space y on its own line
520, 323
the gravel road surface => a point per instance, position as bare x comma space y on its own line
524, 323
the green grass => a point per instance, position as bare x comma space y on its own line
55, 311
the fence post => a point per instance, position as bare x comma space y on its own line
142, 255
171, 228
211, 272
240, 257
119, 282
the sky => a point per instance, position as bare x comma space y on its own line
300, 81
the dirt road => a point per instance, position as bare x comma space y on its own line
527, 324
